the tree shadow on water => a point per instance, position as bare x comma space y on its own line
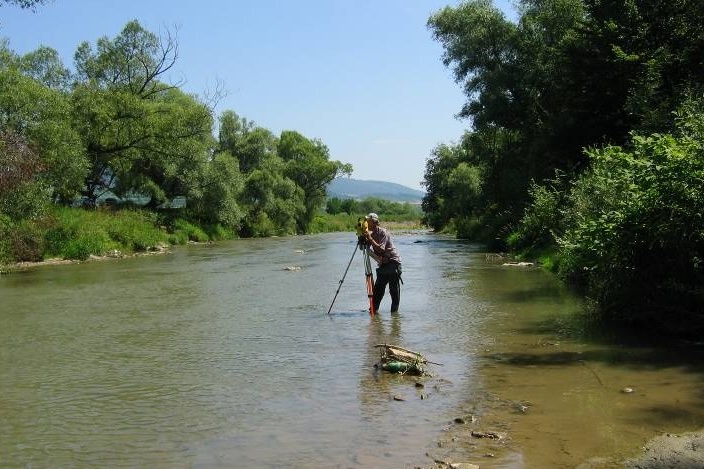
580, 337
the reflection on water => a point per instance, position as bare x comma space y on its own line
217, 355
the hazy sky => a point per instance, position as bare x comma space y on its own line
363, 76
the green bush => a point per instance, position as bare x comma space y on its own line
27, 241
82, 248
135, 230
542, 219
6, 228
185, 230
219, 232
468, 227
339, 222
259, 225
57, 239
635, 237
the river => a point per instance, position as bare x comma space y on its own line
223, 355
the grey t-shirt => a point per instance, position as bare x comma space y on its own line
388, 250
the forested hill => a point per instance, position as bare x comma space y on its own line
348, 188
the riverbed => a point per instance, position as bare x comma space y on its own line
224, 355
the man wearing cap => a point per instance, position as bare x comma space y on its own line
389, 271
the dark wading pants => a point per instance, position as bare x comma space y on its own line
388, 274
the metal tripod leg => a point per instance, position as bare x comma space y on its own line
342, 279
370, 282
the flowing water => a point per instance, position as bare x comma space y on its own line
223, 356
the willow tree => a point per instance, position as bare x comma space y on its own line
511, 74
142, 135
250, 144
308, 164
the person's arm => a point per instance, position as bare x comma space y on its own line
377, 247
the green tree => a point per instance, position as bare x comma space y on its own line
142, 135
249, 144
437, 168
217, 200
275, 202
655, 46
333, 206
507, 71
454, 180
567, 75
308, 164
45, 66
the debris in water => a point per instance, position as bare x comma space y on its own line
396, 359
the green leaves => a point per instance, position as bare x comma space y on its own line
635, 236
41, 117
118, 126
307, 163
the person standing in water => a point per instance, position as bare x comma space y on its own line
386, 255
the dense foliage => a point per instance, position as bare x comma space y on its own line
115, 128
585, 146
390, 209
635, 236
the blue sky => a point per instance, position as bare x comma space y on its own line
363, 76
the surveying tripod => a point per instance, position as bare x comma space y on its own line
369, 277
363, 246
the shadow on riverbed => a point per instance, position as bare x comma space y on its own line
622, 344
635, 359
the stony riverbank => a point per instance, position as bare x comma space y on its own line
683, 451
113, 254
668, 451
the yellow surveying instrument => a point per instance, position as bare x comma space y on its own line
363, 245
362, 228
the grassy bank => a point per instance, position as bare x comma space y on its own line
71, 233
78, 234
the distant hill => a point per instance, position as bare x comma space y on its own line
348, 188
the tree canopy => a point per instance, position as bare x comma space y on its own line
567, 75
583, 141
116, 126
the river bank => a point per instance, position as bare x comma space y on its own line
113, 254
471, 449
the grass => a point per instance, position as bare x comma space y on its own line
77, 234
326, 223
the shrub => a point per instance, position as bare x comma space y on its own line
185, 230
636, 232
27, 242
134, 230
219, 232
542, 219
6, 228
57, 239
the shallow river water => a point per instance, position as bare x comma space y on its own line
224, 355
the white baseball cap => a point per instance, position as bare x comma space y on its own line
373, 216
